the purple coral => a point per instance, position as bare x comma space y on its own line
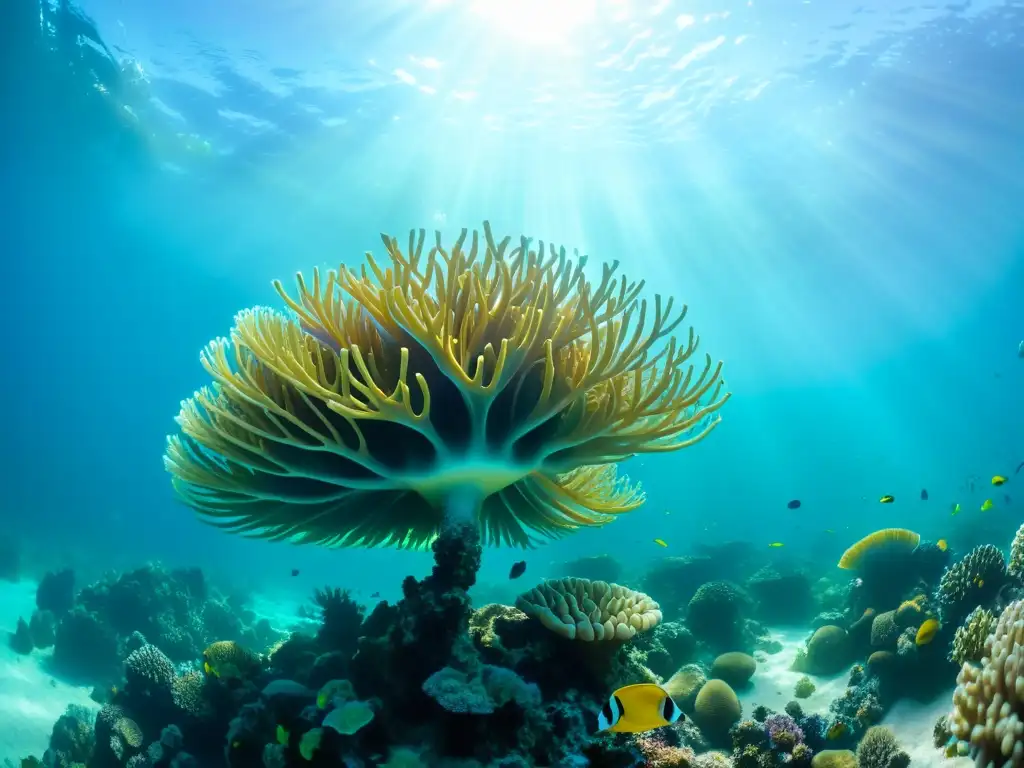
784, 732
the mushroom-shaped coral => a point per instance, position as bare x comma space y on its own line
578, 609
491, 387
973, 580
988, 705
969, 639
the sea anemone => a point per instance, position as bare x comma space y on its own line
489, 388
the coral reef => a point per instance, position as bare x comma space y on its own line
783, 731
974, 580
71, 742
879, 749
780, 597
325, 427
175, 610
988, 708
970, 636
715, 615
1015, 566
884, 630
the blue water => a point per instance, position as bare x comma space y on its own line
833, 187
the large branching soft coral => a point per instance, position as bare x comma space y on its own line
478, 382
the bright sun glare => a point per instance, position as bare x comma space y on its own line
536, 21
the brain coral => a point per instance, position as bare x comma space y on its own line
834, 758
716, 709
734, 667
474, 381
884, 630
578, 609
969, 639
988, 703
974, 580
828, 650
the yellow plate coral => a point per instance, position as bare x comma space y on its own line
470, 380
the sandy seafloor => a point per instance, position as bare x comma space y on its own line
912, 722
31, 699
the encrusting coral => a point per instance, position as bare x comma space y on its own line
988, 705
578, 609
969, 639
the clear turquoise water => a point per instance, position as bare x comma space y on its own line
834, 188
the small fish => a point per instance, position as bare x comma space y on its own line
1020, 349
660, 542
1019, 467
926, 632
942, 544
887, 500
776, 544
837, 730
282, 735
924, 494
638, 708
955, 509
295, 571
979, 582
375, 594
518, 569
1006, 498
986, 505
794, 504
998, 480
829, 530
